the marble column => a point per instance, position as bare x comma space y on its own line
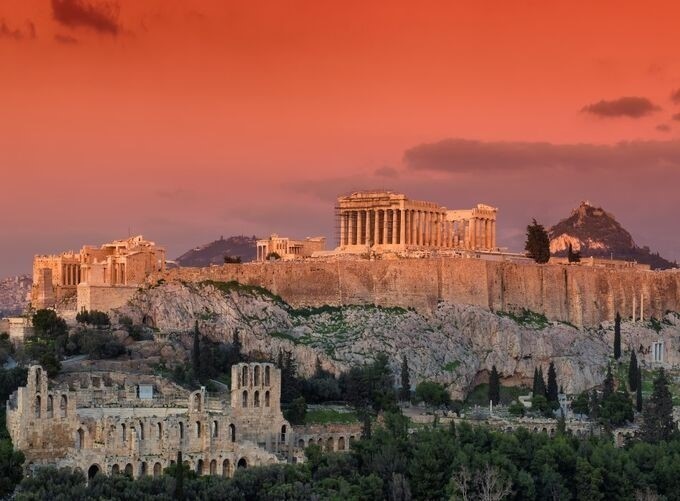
395, 228
350, 228
376, 227
488, 234
493, 233
386, 218
367, 228
402, 227
412, 226
343, 240
439, 230
428, 228
360, 233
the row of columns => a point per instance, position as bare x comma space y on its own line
70, 274
414, 227
118, 274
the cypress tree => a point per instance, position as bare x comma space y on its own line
617, 336
494, 386
633, 372
608, 385
552, 391
638, 391
405, 390
179, 481
196, 352
657, 413
534, 385
594, 405
537, 243
541, 390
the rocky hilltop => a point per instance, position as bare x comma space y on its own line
595, 232
454, 344
14, 293
214, 252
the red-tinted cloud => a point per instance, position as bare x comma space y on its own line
676, 117
675, 97
663, 128
632, 107
17, 33
65, 39
100, 16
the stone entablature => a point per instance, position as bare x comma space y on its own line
121, 263
288, 248
391, 221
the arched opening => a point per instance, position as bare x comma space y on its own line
256, 399
50, 411
115, 469
266, 376
242, 463
341, 444
256, 376
37, 406
320, 442
38, 373
283, 433
311, 442
266, 399
92, 471
244, 401
351, 440
128, 470
181, 430
215, 429
199, 467
123, 432
197, 402
213, 467
301, 443
63, 405
329, 445
141, 430
232, 432
80, 438
159, 431
143, 469
244, 375
157, 470
225, 468
198, 429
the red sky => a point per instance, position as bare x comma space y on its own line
185, 121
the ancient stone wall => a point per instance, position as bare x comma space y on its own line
583, 296
103, 298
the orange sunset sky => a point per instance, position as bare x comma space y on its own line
187, 120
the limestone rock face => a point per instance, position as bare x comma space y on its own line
456, 344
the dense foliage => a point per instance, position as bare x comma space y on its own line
537, 243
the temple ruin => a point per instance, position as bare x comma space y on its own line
287, 249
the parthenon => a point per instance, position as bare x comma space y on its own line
391, 221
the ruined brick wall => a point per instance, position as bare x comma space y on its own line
583, 296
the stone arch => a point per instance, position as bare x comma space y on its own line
93, 470
242, 463
232, 432
37, 406
301, 443
115, 469
244, 399
244, 375
197, 402
256, 399
256, 376
320, 442
352, 438
215, 429
181, 430
38, 374
266, 398
544, 430
341, 443
213, 467
157, 470
198, 429
80, 438
128, 470
283, 433
50, 406
143, 469
148, 321
199, 467
330, 446
226, 468
267, 375
311, 442
63, 406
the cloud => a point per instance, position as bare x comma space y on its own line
663, 128
676, 117
675, 97
102, 16
632, 107
456, 156
17, 33
66, 40
386, 171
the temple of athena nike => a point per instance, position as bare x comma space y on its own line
390, 221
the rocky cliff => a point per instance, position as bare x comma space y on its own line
214, 252
454, 344
594, 232
14, 293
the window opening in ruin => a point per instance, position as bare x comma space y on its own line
141, 430
115, 469
244, 376
92, 471
225, 468
122, 427
143, 469
341, 444
181, 430
80, 438
159, 427
197, 403
266, 376
266, 399
38, 372
213, 467
128, 470
198, 429
245, 399
215, 430
256, 376
199, 467
242, 463
63, 405
301, 443
50, 411
157, 470
232, 432
283, 433
37, 406
329, 444
256, 399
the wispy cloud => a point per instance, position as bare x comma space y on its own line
26, 33
631, 107
101, 16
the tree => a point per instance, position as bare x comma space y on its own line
494, 386
539, 383
179, 478
632, 372
196, 352
537, 243
432, 393
232, 259
617, 336
297, 412
552, 390
405, 390
638, 391
608, 385
658, 411
11, 467
581, 404
573, 257
616, 409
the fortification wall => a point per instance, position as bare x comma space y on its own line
583, 296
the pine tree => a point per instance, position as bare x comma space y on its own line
552, 391
657, 414
494, 386
537, 243
638, 391
617, 336
196, 352
405, 390
633, 371
608, 385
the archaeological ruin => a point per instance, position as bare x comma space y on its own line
110, 422
287, 248
391, 221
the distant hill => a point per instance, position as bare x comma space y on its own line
14, 293
595, 232
214, 252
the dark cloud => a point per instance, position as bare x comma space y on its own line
66, 40
102, 16
464, 156
17, 33
632, 107
676, 117
675, 97
663, 128
387, 171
